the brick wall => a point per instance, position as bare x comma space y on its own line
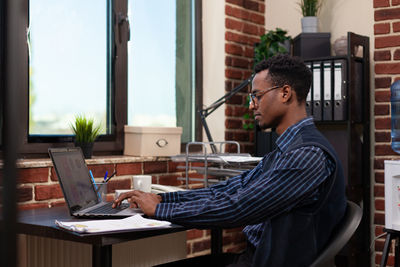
244, 23
387, 70
38, 187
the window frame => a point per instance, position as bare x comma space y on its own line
113, 144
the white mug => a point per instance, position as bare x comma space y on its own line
142, 183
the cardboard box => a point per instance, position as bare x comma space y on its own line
152, 141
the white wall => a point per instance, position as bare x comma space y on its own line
336, 16
214, 64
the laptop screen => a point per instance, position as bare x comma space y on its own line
74, 178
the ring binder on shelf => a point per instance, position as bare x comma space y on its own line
327, 92
340, 97
316, 100
308, 99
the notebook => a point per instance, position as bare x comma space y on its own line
79, 192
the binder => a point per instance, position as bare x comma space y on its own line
327, 93
308, 99
316, 94
340, 95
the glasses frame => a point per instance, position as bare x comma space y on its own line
259, 94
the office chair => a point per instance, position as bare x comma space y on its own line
340, 236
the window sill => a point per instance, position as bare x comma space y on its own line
96, 160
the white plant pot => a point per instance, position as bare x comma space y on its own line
309, 24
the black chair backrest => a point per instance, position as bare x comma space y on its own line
340, 236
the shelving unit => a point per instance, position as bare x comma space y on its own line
350, 136
215, 166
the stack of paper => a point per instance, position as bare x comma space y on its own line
96, 226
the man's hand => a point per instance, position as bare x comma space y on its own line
147, 202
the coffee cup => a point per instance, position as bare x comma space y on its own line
142, 183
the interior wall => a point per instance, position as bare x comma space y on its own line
214, 65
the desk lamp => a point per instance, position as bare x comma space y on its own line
205, 112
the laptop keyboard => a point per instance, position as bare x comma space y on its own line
107, 209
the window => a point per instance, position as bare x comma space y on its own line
68, 59
161, 82
77, 63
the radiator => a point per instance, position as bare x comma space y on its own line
46, 252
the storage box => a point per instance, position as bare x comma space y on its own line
312, 45
152, 141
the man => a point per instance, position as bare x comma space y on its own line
291, 201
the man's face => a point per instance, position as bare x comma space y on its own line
266, 105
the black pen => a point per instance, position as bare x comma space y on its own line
108, 179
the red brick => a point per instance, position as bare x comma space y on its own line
237, 12
24, 193
114, 184
250, 29
236, 2
379, 177
395, 2
261, 8
381, 109
33, 175
384, 82
381, 3
382, 28
100, 170
396, 26
173, 166
382, 123
387, 68
382, 137
44, 192
379, 218
379, 164
382, 55
233, 24
241, 136
396, 55
32, 206
387, 41
237, 62
257, 18
228, 111
53, 175
251, 5
155, 167
234, 49
170, 180
58, 203
233, 74
239, 111
387, 14
249, 53
380, 204
129, 168
201, 245
382, 96
379, 190
379, 244
233, 124
194, 233
378, 230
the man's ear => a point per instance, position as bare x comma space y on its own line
287, 94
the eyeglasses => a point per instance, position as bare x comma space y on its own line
259, 94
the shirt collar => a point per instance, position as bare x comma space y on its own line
285, 139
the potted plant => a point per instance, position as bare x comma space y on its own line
85, 134
309, 9
271, 43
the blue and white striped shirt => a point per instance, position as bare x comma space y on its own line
255, 196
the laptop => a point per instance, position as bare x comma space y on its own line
79, 192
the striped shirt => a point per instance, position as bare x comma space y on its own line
283, 180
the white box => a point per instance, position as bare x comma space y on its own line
392, 194
152, 141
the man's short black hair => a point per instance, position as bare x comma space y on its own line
284, 69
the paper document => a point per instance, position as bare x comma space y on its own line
96, 226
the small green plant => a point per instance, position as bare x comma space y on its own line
84, 130
310, 8
271, 43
